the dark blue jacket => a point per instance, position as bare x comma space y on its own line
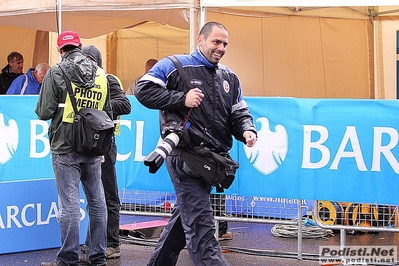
223, 113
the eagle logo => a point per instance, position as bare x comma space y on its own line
270, 150
8, 139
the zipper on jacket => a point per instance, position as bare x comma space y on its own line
213, 99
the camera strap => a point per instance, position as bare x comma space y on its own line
186, 81
183, 75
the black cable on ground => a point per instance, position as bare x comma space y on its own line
248, 251
138, 241
285, 231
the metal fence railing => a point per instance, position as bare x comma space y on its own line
327, 215
234, 208
355, 216
226, 207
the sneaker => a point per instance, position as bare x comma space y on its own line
48, 264
83, 248
85, 262
226, 236
112, 253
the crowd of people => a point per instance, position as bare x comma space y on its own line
192, 224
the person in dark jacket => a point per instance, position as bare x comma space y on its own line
90, 86
120, 106
11, 71
216, 111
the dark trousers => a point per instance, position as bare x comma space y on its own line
218, 202
192, 223
108, 177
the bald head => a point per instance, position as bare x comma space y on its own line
40, 71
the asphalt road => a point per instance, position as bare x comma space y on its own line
253, 244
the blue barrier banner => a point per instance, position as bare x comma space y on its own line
24, 147
325, 149
330, 149
397, 64
28, 216
340, 150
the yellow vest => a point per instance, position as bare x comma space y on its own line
94, 97
117, 131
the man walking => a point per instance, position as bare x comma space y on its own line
212, 112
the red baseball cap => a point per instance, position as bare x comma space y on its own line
68, 37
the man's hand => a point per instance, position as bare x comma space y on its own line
193, 98
250, 138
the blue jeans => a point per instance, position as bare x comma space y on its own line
192, 223
69, 170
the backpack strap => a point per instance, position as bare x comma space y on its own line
70, 91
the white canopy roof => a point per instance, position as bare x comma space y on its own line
299, 3
93, 17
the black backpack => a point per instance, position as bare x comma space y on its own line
92, 130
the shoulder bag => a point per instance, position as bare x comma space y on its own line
92, 130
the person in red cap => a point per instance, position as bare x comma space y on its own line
68, 38
90, 87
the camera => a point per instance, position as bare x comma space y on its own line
171, 136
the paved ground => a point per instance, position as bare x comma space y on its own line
252, 245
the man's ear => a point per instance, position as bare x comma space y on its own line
200, 39
61, 51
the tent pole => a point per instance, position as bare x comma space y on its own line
203, 16
193, 29
59, 17
59, 28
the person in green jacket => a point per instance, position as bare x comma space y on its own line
89, 84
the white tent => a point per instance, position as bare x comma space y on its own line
30, 27
336, 49
93, 17
287, 48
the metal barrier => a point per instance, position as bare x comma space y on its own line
327, 215
233, 208
355, 216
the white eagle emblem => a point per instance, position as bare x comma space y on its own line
271, 148
8, 139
